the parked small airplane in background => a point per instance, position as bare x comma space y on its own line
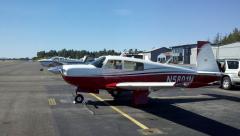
117, 74
56, 61
54, 64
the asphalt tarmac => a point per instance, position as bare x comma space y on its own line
38, 103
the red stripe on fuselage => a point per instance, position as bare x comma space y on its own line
200, 44
101, 82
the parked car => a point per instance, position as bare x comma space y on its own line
231, 70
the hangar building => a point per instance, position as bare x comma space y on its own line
182, 53
153, 54
229, 51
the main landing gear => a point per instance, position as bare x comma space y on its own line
137, 97
78, 97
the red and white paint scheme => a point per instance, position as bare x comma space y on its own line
117, 74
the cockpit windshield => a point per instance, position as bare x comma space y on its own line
98, 62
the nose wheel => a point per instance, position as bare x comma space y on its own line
79, 98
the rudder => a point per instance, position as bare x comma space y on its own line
205, 58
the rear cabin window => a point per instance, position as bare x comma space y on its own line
113, 64
134, 66
233, 64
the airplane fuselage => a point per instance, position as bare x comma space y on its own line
116, 74
92, 77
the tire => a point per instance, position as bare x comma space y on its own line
226, 83
79, 98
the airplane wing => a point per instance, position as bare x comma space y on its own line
142, 85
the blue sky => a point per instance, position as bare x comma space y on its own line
28, 26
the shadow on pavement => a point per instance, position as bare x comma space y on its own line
164, 108
230, 98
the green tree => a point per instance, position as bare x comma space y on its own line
217, 39
232, 37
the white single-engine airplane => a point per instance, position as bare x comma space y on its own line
56, 61
117, 74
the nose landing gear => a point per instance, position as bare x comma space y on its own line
78, 97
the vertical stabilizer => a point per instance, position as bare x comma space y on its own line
205, 57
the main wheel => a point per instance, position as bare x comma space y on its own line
79, 98
226, 83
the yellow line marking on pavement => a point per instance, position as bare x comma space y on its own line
51, 101
108, 99
122, 113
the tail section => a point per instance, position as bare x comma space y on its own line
205, 58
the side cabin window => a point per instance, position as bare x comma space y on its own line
113, 64
133, 66
233, 64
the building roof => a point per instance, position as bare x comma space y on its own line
161, 48
189, 46
185, 45
232, 45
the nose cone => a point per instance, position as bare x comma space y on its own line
55, 70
